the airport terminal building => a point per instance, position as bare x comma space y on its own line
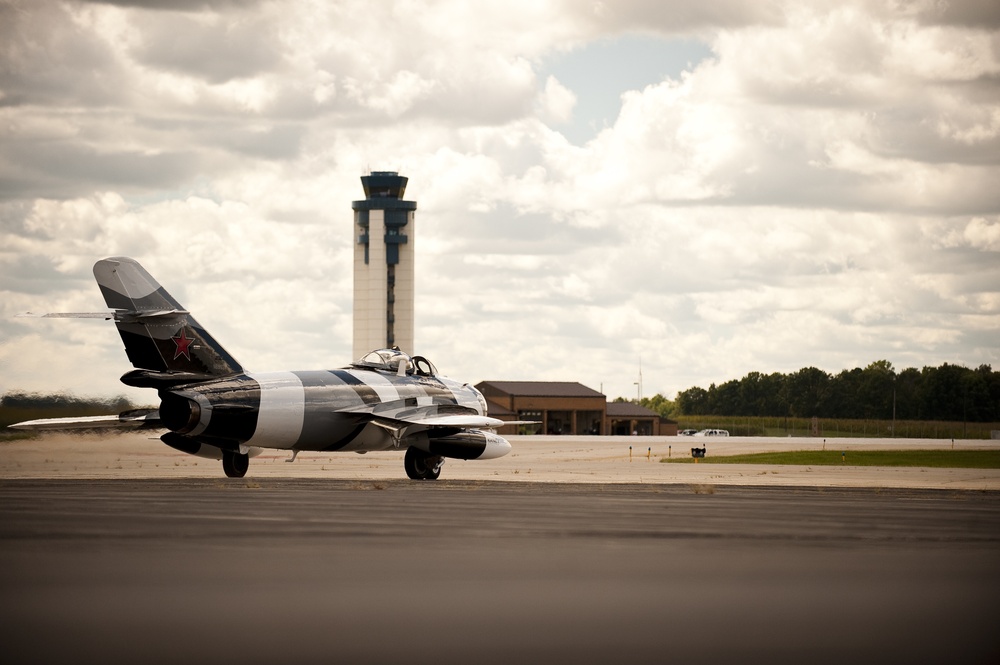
568, 407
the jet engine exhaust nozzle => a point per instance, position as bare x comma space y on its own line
179, 414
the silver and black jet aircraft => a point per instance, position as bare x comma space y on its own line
214, 408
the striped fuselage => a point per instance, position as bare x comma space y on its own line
313, 410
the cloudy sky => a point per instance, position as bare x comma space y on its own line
708, 187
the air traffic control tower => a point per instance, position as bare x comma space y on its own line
383, 265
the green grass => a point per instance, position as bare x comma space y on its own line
954, 459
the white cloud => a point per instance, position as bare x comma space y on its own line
984, 235
820, 191
557, 102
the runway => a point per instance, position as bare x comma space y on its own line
264, 569
556, 459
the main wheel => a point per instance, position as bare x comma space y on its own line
422, 466
234, 464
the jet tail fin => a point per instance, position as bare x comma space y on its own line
158, 333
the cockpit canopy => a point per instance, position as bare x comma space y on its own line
392, 360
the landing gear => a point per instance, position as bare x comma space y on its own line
235, 464
422, 466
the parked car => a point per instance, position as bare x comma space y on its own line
712, 432
687, 432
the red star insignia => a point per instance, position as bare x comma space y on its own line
183, 346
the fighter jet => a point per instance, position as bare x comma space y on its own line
212, 407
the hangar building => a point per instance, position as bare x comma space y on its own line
568, 407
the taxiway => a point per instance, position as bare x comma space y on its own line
109, 557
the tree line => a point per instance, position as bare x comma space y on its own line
948, 392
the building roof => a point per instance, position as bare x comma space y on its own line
540, 388
629, 410
495, 410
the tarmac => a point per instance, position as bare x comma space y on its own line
563, 459
568, 550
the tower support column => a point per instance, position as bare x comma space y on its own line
384, 284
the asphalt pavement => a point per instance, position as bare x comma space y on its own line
257, 570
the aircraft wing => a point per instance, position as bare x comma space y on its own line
468, 422
127, 420
465, 421
107, 316
404, 420
139, 316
